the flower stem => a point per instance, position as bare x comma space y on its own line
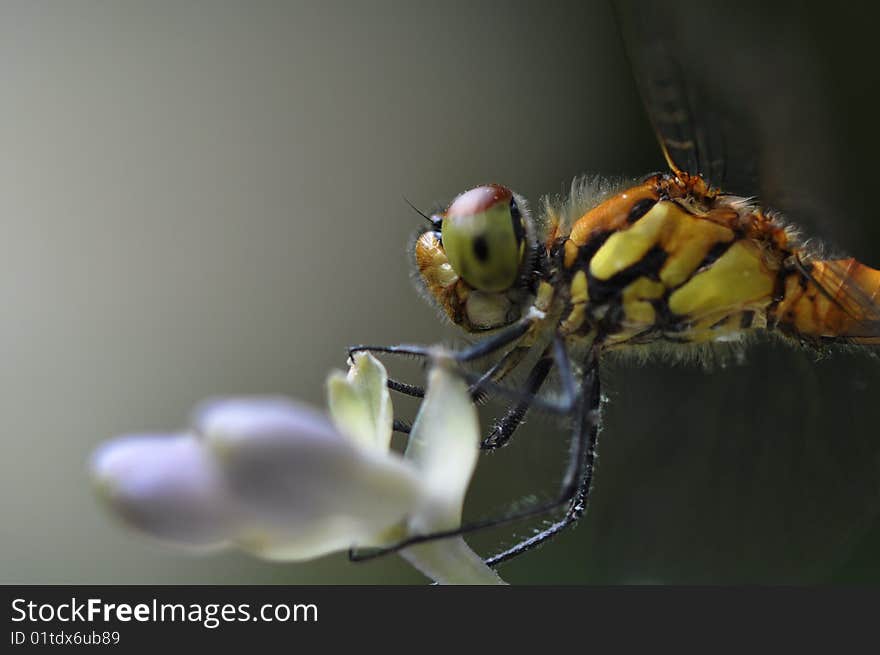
451, 561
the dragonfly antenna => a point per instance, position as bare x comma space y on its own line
432, 221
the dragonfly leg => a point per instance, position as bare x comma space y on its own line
404, 427
504, 428
406, 389
475, 351
589, 425
478, 384
496, 373
576, 508
563, 407
572, 480
483, 348
574, 512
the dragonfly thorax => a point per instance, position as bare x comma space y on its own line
645, 265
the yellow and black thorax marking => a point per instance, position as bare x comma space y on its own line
673, 260
657, 262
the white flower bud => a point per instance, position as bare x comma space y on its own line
165, 485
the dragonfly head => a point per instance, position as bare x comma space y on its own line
474, 261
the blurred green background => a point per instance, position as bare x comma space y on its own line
203, 198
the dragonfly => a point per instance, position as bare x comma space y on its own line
676, 263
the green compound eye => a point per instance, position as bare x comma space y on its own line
482, 235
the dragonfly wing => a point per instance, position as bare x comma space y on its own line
689, 130
733, 94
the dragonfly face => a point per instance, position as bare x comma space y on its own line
476, 266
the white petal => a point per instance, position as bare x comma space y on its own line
305, 489
165, 485
444, 445
359, 402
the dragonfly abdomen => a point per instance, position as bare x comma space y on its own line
830, 299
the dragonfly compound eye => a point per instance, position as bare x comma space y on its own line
483, 236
